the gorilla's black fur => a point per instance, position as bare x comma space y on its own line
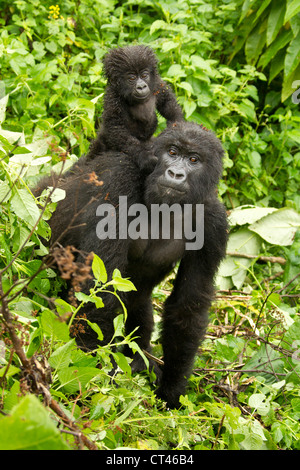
134, 92
188, 170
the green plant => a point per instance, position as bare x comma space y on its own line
270, 34
244, 392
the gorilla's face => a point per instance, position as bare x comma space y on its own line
137, 87
189, 165
132, 72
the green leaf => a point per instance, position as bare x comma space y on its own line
82, 297
74, 378
262, 8
122, 362
292, 337
53, 327
119, 325
121, 284
13, 137
278, 228
288, 83
275, 20
80, 104
189, 107
156, 25
252, 441
265, 363
248, 214
168, 46
176, 71
97, 330
30, 428
280, 42
247, 109
127, 411
51, 46
255, 161
38, 147
294, 134
186, 86
255, 43
61, 357
99, 270
12, 370
63, 307
24, 206
292, 58
260, 402
241, 241
5, 192
246, 8
292, 9
3, 104
229, 348
277, 65
57, 195
136, 349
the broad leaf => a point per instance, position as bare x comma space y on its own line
293, 8
29, 427
275, 20
74, 378
278, 228
24, 206
248, 214
99, 270
61, 357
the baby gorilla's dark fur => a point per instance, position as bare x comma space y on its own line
134, 92
188, 170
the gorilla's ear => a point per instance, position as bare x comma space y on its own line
108, 65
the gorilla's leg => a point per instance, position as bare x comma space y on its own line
184, 324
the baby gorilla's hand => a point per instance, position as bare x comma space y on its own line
146, 159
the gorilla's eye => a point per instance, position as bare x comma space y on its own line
194, 159
131, 77
145, 74
172, 152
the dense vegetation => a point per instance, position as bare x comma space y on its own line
234, 66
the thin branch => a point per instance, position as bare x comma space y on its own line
271, 259
238, 370
72, 426
290, 282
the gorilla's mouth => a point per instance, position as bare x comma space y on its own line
168, 189
142, 96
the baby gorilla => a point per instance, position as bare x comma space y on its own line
134, 92
187, 172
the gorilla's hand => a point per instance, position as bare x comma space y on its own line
146, 159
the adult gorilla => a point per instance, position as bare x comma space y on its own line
188, 170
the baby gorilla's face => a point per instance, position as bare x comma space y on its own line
136, 86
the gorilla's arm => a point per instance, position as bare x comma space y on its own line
186, 310
167, 104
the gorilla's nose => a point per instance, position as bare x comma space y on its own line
175, 175
141, 85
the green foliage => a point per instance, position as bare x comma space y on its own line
232, 65
251, 228
270, 35
29, 427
